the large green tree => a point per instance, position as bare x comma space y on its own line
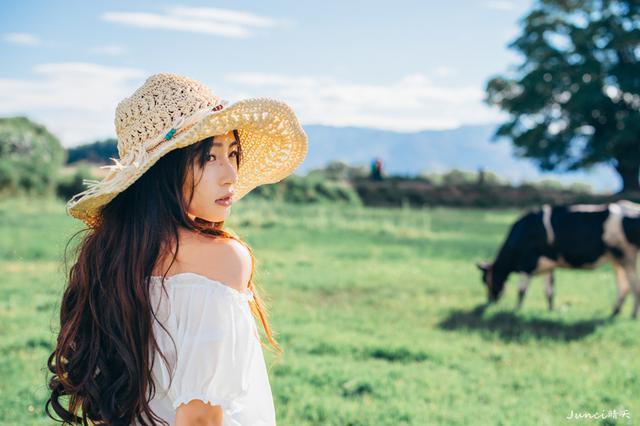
574, 102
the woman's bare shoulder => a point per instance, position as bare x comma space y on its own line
221, 259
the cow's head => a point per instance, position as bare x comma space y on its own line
494, 282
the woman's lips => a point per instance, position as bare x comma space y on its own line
226, 201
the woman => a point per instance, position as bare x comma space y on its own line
156, 323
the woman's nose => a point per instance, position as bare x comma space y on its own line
229, 174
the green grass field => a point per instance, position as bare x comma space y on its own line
378, 311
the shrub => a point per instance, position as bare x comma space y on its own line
72, 184
30, 157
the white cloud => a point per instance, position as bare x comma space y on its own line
411, 103
76, 101
224, 15
110, 50
23, 39
500, 5
203, 20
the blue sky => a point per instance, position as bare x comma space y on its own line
400, 65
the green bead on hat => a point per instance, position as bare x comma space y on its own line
170, 133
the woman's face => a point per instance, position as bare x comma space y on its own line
214, 181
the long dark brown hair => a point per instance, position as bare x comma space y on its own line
101, 359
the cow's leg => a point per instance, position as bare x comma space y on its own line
632, 276
622, 284
522, 288
548, 288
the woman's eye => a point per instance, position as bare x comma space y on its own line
211, 157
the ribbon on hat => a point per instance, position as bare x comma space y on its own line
138, 154
197, 116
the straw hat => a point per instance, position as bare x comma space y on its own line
170, 111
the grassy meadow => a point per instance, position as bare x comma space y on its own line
379, 313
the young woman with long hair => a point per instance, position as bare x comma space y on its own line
157, 319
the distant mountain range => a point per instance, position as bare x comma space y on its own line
466, 148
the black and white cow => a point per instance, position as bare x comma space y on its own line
580, 236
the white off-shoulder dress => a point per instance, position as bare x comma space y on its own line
217, 356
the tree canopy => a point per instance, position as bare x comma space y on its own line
96, 152
30, 156
575, 100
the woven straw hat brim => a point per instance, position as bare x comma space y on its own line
272, 140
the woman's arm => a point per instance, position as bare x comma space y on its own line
198, 413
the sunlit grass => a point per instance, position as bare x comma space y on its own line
379, 312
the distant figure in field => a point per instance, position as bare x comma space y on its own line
376, 169
574, 236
